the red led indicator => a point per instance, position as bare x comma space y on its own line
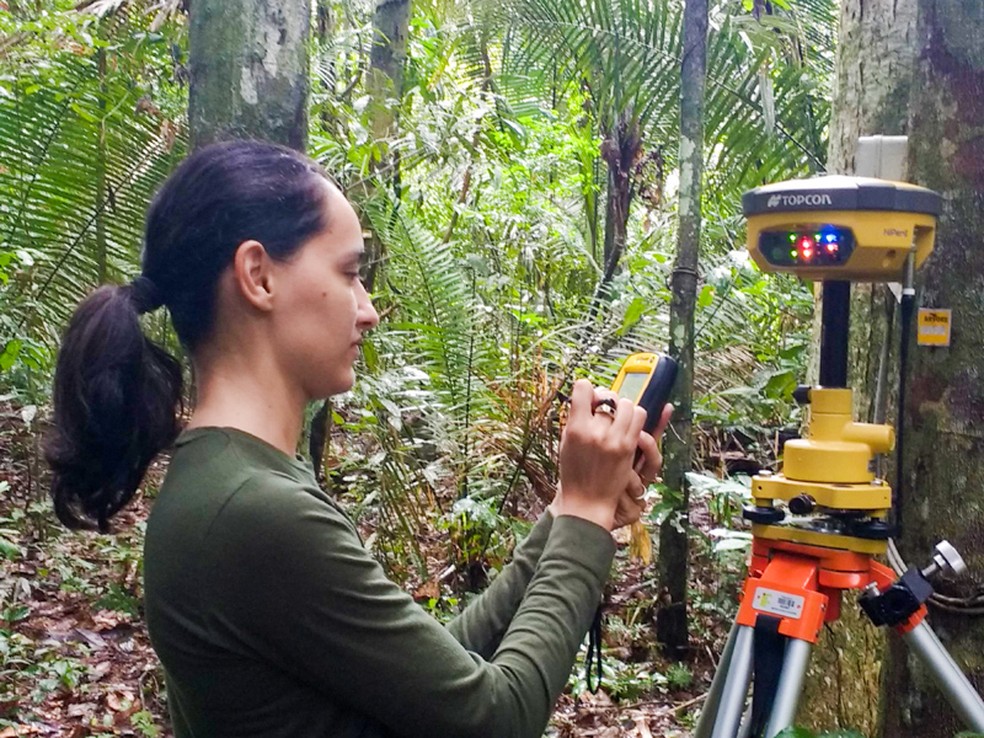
807, 247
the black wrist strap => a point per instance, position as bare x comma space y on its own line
594, 652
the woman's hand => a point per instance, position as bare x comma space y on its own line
648, 464
597, 452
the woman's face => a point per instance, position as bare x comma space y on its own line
322, 315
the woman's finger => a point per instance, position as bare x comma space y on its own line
630, 509
582, 401
664, 421
649, 461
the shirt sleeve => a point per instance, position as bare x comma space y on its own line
481, 626
289, 581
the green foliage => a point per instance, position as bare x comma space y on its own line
749, 383
679, 676
766, 108
144, 722
622, 681
9, 547
90, 123
472, 524
723, 498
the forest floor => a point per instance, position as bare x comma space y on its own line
75, 659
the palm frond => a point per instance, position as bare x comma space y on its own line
627, 54
81, 152
435, 306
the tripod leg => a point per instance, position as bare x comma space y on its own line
745, 731
790, 686
941, 648
709, 712
950, 679
735, 690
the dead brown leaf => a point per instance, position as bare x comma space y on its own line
82, 710
427, 591
642, 727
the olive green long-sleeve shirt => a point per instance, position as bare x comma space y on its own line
272, 619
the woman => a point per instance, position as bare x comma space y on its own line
269, 616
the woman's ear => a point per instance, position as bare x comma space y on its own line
252, 272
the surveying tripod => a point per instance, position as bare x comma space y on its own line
817, 525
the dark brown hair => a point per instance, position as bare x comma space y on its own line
117, 395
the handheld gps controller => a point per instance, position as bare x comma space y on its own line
647, 380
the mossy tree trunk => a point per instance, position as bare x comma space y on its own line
875, 60
674, 550
384, 83
389, 52
944, 411
249, 70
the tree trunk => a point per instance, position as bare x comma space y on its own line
875, 59
944, 457
102, 190
249, 70
389, 52
250, 78
619, 150
876, 55
671, 618
384, 84
324, 24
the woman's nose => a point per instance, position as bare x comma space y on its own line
368, 317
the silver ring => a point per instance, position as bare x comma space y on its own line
605, 407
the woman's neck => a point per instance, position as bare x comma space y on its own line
251, 398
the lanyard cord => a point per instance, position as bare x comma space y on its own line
594, 652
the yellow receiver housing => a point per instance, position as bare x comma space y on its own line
883, 221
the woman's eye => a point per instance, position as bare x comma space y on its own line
368, 267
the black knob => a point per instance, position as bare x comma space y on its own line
802, 394
802, 505
762, 514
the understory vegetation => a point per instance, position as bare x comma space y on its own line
484, 200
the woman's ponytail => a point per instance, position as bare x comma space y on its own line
117, 400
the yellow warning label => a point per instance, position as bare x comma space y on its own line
934, 327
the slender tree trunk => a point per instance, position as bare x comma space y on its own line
944, 458
875, 61
671, 618
389, 52
249, 70
102, 256
324, 24
619, 150
384, 85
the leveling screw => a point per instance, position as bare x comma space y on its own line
945, 560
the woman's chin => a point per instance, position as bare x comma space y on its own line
344, 383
